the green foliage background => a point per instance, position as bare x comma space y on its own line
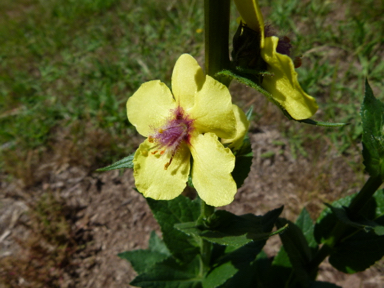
72, 64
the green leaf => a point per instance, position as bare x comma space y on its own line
379, 202
142, 260
358, 252
280, 266
320, 123
297, 249
126, 162
245, 260
261, 268
372, 210
299, 246
367, 225
243, 163
248, 261
219, 275
360, 249
248, 114
327, 219
372, 116
171, 212
225, 228
171, 274
305, 223
157, 244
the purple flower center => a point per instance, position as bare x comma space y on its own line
172, 134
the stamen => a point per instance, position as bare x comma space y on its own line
168, 138
170, 161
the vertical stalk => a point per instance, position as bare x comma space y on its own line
369, 188
216, 18
205, 247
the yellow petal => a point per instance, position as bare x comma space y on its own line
212, 111
284, 86
242, 125
153, 180
250, 12
187, 79
150, 106
211, 170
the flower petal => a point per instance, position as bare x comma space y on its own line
212, 111
242, 125
284, 86
187, 79
150, 106
250, 12
211, 170
153, 180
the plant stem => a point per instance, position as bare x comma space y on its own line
216, 17
369, 188
357, 204
205, 247
206, 210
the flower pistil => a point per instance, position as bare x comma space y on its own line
176, 131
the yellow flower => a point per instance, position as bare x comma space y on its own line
283, 85
242, 125
188, 122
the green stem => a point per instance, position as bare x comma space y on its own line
205, 246
216, 18
369, 188
338, 232
216, 15
206, 210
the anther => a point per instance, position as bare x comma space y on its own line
169, 163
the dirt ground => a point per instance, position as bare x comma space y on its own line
108, 216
